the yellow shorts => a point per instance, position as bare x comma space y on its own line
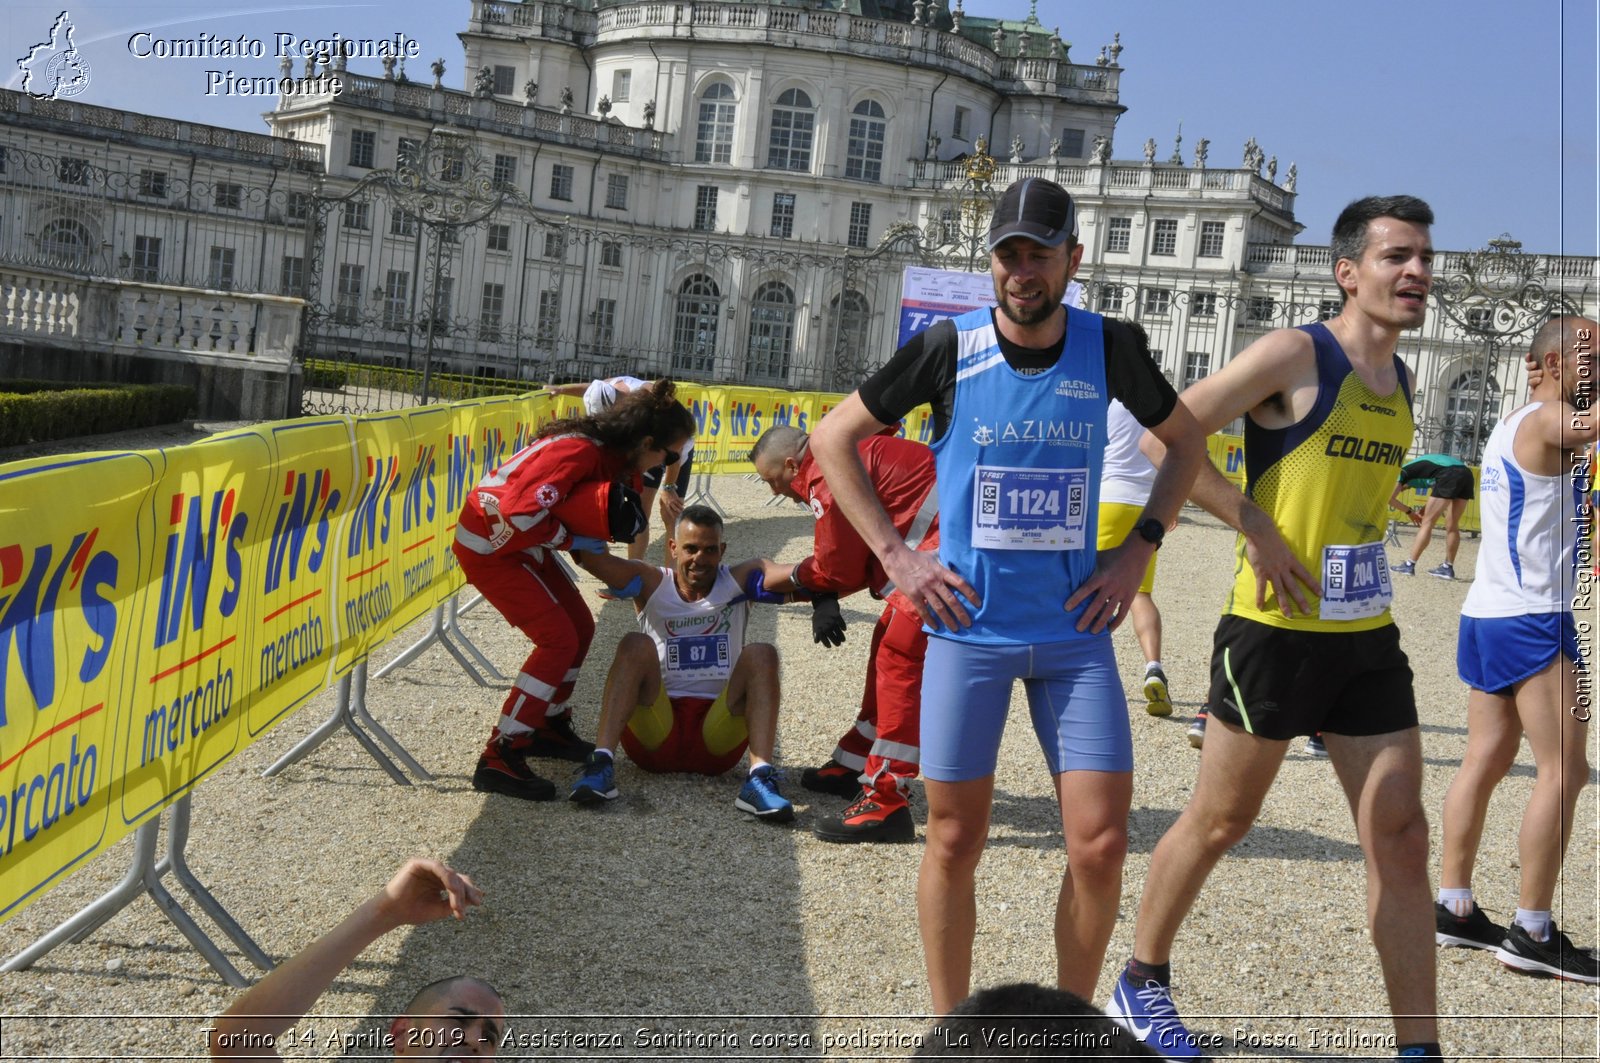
686, 734
1116, 521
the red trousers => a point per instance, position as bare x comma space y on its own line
886, 735
538, 597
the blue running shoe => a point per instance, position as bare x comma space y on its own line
598, 783
1148, 1013
1404, 568
761, 797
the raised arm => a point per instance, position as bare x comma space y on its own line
422, 891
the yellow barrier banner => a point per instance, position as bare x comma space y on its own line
369, 587
422, 546
191, 674
746, 417
75, 536
1227, 454
314, 483
711, 442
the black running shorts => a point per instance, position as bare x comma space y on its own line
1278, 683
1453, 482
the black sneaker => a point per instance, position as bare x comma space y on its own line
503, 771
1555, 958
880, 814
1475, 931
557, 740
832, 778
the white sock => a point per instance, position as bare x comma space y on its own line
1151, 666
606, 753
1537, 924
1458, 901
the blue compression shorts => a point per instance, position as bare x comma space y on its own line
1075, 698
1495, 653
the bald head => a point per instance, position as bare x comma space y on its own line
456, 1016
777, 455
1565, 347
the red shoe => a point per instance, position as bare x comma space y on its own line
880, 814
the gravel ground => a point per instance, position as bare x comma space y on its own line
670, 914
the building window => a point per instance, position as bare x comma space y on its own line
297, 207
549, 322
864, 156
72, 171
499, 238
611, 254
1203, 304
1157, 300
1119, 234
505, 80
621, 85
363, 146
793, 126
850, 326
605, 324
66, 241
705, 208
292, 275
561, 182
347, 294
146, 258
1211, 238
153, 183
357, 214
402, 222
444, 291
860, 224
555, 246
1196, 365
228, 195
694, 325
958, 129
406, 154
714, 133
396, 298
490, 311
782, 214
1262, 309
1072, 143
617, 191
1164, 239
1109, 299
1328, 309
1472, 405
771, 334
505, 171
219, 271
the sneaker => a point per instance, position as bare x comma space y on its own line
1155, 693
1148, 1013
1404, 568
1316, 748
1197, 731
832, 778
1475, 931
1444, 571
761, 797
558, 741
880, 814
501, 770
597, 783
1557, 958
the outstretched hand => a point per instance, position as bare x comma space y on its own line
424, 891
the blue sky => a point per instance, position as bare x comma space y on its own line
1487, 110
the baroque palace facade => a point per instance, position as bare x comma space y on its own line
724, 191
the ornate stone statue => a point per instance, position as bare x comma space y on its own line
1272, 169
311, 65
438, 73
604, 107
1102, 150
483, 82
388, 67
1055, 148
1249, 152
956, 17
400, 75
1116, 48
1016, 148
1102, 59
999, 39
1290, 178
1177, 148
1202, 148
934, 140
286, 66
530, 93
566, 100
650, 114
1150, 151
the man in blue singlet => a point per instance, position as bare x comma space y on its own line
1019, 395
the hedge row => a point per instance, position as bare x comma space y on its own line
31, 414
442, 387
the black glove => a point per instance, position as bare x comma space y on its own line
827, 623
624, 514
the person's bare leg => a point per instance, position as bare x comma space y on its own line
1382, 779
1452, 530
1147, 625
1493, 735
641, 542
1560, 755
1094, 820
1430, 516
947, 910
634, 680
754, 691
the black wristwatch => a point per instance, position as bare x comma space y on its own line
1151, 531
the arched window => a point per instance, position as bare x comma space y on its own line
848, 329
66, 242
864, 160
771, 334
713, 140
694, 325
793, 127
1472, 405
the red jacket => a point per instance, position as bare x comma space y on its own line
902, 475
510, 509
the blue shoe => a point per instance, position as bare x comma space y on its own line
1444, 571
598, 783
761, 797
1148, 1013
1404, 568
